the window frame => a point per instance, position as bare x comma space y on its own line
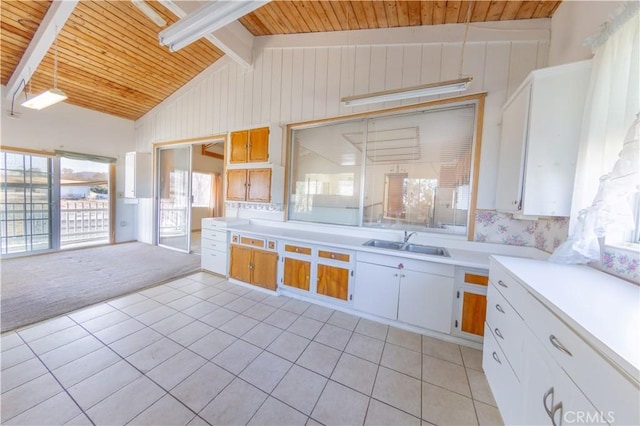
477, 99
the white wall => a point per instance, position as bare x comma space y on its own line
303, 77
572, 23
71, 128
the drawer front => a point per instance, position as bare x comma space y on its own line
214, 235
505, 386
507, 327
255, 242
476, 279
215, 245
297, 249
606, 387
334, 255
509, 287
214, 262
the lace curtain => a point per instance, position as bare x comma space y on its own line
607, 167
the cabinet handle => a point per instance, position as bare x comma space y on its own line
495, 356
545, 397
498, 333
499, 308
559, 346
502, 284
297, 250
333, 256
395, 275
403, 275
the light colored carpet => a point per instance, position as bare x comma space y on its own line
40, 287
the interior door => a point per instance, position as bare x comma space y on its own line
174, 197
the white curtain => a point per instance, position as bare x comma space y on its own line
613, 102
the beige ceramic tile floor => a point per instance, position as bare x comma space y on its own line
200, 350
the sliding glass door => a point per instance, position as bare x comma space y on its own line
174, 200
26, 203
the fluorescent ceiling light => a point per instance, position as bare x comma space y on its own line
151, 14
45, 99
432, 89
207, 18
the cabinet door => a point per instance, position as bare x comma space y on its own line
333, 281
239, 262
259, 185
377, 289
474, 312
238, 146
236, 184
264, 268
259, 145
512, 152
297, 273
426, 300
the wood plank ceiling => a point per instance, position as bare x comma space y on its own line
109, 58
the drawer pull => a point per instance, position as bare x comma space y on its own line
559, 346
333, 256
545, 397
502, 284
495, 356
499, 308
498, 333
297, 250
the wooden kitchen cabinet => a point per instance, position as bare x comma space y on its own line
333, 274
254, 265
249, 146
249, 185
297, 266
333, 281
541, 125
471, 302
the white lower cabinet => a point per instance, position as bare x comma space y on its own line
415, 292
214, 247
541, 371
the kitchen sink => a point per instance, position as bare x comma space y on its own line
412, 248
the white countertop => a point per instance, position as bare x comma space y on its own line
598, 306
458, 256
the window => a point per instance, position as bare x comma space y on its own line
25, 203
201, 184
406, 169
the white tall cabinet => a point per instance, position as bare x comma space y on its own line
541, 125
215, 243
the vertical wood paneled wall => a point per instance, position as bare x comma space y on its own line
298, 84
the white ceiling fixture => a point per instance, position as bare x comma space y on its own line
51, 96
151, 14
208, 18
441, 88
432, 89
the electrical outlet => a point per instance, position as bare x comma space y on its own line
123, 223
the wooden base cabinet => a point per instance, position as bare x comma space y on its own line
254, 266
297, 273
470, 308
333, 281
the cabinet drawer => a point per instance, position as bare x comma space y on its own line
297, 249
477, 279
255, 242
606, 387
508, 286
215, 245
503, 383
214, 235
507, 328
214, 262
333, 255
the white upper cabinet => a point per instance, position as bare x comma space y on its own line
541, 126
137, 175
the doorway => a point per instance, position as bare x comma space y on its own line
189, 189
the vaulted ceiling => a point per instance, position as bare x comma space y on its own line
109, 58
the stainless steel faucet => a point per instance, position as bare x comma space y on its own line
407, 236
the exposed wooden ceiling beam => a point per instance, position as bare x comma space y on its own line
45, 35
233, 39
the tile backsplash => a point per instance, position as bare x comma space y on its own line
545, 233
622, 263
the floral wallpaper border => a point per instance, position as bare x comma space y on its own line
254, 206
545, 233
